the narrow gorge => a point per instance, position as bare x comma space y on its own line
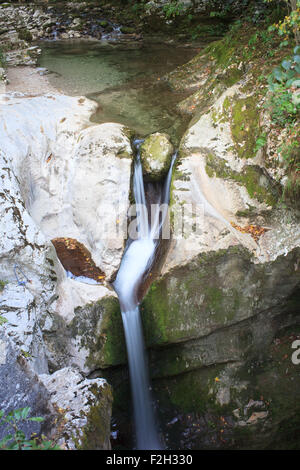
149, 213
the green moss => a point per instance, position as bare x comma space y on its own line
157, 332
127, 30
100, 330
245, 126
124, 154
114, 348
96, 433
3, 320
252, 177
226, 106
193, 391
232, 76
25, 34
221, 52
190, 302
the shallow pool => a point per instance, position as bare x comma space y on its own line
125, 79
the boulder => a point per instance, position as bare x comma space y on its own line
156, 153
83, 408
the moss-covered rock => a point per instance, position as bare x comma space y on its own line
25, 34
89, 401
257, 183
244, 126
213, 291
156, 153
96, 432
97, 329
127, 30
235, 388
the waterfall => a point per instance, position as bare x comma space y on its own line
137, 260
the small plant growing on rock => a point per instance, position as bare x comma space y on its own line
173, 9
284, 105
25, 35
16, 440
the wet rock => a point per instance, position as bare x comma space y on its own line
156, 154
76, 259
127, 30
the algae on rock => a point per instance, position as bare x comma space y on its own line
156, 153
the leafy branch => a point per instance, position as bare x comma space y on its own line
16, 439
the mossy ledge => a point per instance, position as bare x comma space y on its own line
194, 300
258, 184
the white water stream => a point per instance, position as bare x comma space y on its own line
138, 258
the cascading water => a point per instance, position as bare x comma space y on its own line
137, 260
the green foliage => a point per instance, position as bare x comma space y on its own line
2, 320
173, 9
16, 440
25, 34
289, 25
284, 105
283, 110
283, 83
260, 142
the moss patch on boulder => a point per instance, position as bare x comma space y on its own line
98, 328
95, 435
194, 300
156, 154
245, 126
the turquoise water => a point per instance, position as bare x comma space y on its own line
125, 79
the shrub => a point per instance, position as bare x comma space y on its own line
16, 440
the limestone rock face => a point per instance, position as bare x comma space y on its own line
222, 318
156, 153
221, 192
61, 178
75, 181
76, 411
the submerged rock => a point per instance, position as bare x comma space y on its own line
156, 154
